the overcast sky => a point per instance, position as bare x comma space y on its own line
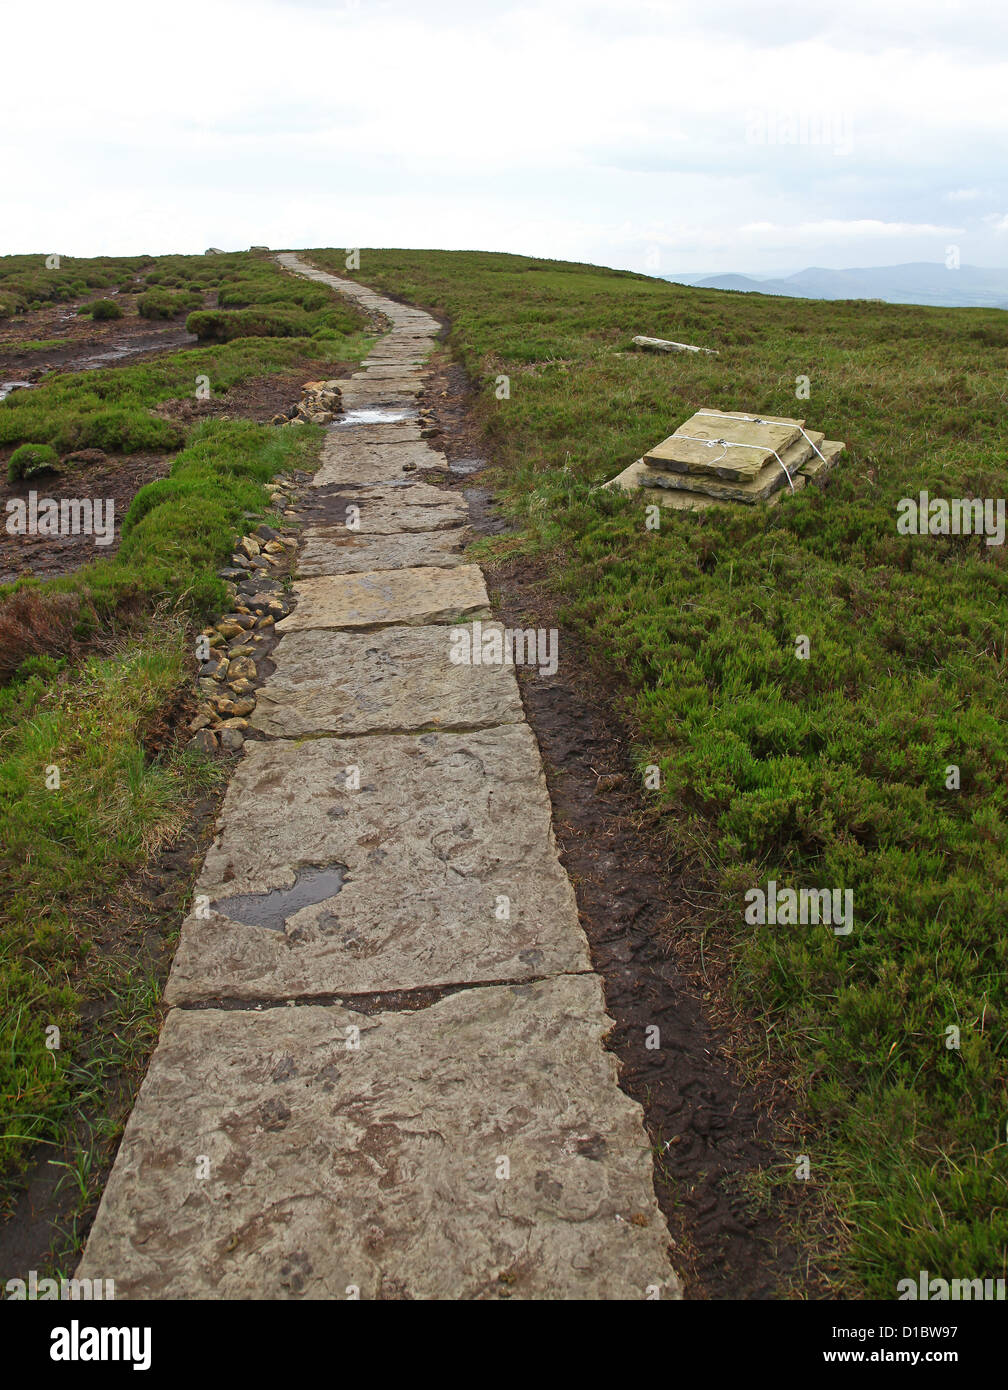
648, 134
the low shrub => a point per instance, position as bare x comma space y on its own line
223, 325
30, 459
34, 623
160, 304
103, 309
118, 429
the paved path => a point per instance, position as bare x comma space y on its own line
383, 1069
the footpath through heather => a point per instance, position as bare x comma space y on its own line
382, 1071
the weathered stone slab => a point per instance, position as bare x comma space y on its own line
399, 679
831, 449
388, 510
393, 371
405, 359
444, 828
632, 480
767, 481
349, 461
667, 345
365, 393
727, 445
375, 1168
424, 594
376, 432
340, 551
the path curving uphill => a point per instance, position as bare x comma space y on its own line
382, 1072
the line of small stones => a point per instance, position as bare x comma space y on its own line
241, 639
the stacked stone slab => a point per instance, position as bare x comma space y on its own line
383, 1073
731, 456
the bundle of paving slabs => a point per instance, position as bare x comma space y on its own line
730, 456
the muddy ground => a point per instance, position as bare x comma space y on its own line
84, 344
91, 473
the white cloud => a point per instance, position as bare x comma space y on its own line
566, 122
833, 229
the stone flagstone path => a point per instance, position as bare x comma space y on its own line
382, 1072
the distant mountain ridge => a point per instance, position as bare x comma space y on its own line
917, 282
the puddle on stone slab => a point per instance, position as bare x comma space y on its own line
6, 387
365, 415
463, 466
274, 908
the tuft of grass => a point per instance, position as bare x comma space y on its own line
103, 309
161, 304
34, 345
30, 459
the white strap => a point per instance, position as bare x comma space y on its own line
731, 444
756, 420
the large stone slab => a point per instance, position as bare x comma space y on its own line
390, 371
377, 432
350, 461
374, 393
728, 445
333, 1171
425, 594
450, 871
386, 510
759, 488
339, 551
408, 357
387, 682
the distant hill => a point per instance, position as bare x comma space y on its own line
919, 282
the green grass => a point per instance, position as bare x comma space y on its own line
69, 852
33, 345
826, 772
65, 843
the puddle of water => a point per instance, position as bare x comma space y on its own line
273, 909
372, 416
463, 466
6, 387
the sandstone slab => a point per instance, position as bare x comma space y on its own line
442, 828
389, 371
401, 678
386, 510
336, 1171
426, 594
349, 461
758, 488
727, 444
359, 393
337, 550
376, 432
